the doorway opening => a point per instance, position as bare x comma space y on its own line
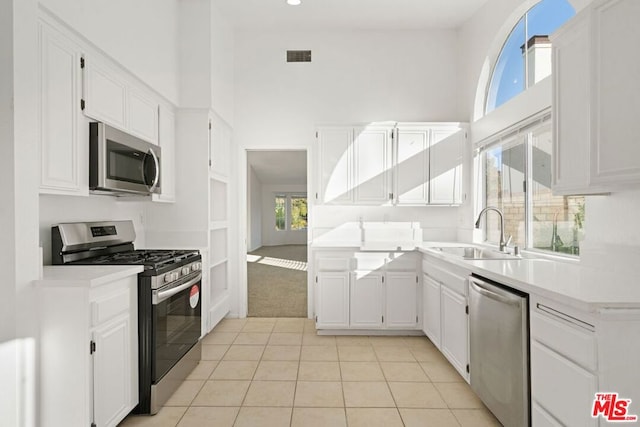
277, 215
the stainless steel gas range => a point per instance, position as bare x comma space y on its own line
169, 308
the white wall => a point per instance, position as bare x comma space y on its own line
141, 35
254, 211
271, 236
56, 209
222, 67
355, 77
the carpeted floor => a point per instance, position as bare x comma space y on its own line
277, 281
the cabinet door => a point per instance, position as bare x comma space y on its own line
335, 146
412, 165
571, 88
445, 165
105, 94
455, 330
366, 299
614, 123
143, 116
112, 372
166, 141
562, 388
333, 300
62, 130
401, 289
431, 307
372, 163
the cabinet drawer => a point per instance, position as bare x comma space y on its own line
401, 261
564, 335
109, 307
370, 261
334, 264
562, 388
452, 281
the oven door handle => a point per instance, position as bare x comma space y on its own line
158, 295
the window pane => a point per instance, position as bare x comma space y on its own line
558, 222
298, 213
504, 178
507, 79
281, 203
547, 16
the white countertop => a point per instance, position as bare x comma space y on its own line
571, 283
85, 275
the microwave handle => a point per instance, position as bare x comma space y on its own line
157, 177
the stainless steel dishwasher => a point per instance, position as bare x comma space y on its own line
499, 349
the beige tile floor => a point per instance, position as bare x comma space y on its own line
278, 372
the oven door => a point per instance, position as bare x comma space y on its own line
176, 311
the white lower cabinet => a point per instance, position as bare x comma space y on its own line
401, 300
354, 290
564, 376
366, 300
431, 309
88, 348
332, 299
445, 317
454, 340
111, 370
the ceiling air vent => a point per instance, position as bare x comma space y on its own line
298, 56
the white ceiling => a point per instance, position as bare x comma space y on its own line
347, 14
279, 167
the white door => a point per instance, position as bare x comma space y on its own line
445, 165
412, 165
112, 372
431, 307
333, 300
62, 130
454, 329
401, 289
366, 299
372, 163
335, 156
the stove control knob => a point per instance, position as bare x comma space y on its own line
168, 277
196, 266
175, 276
185, 271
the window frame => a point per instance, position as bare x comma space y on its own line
520, 133
288, 196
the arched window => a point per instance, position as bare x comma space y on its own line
525, 57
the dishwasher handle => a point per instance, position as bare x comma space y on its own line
483, 288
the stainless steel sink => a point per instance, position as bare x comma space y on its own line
471, 252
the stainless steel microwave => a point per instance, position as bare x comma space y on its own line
122, 163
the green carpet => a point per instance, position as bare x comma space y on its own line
277, 281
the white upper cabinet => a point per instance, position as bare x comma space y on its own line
384, 164
143, 116
62, 130
412, 165
372, 163
595, 104
445, 165
112, 98
167, 141
105, 93
335, 153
